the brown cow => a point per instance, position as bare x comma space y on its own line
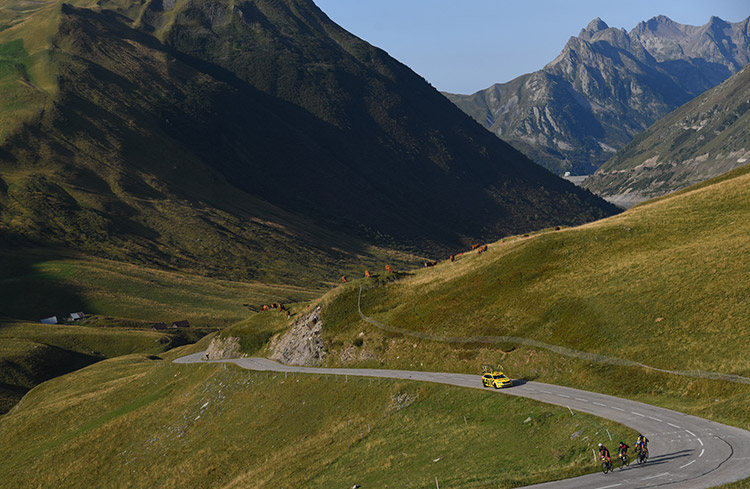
265, 307
475, 246
388, 269
288, 314
367, 274
453, 257
343, 278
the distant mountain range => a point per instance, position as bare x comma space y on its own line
254, 139
704, 138
606, 86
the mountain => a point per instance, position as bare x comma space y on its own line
706, 137
242, 138
606, 86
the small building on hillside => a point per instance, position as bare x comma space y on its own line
180, 324
76, 316
159, 326
49, 320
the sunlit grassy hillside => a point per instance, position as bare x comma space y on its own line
122, 301
665, 284
139, 422
31, 353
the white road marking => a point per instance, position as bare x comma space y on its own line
699, 441
563, 395
600, 404
546, 392
655, 419
655, 476
702, 450
607, 487
618, 409
579, 399
673, 425
689, 463
638, 414
690, 433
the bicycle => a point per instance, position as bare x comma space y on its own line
642, 455
607, 466
624, 461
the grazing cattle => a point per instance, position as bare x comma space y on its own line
557, 228
288, 314
281, 307
367, 274
525, 235
265, 307
388, 269
343, 278
475, 246
453, 258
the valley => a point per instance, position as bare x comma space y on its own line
294, 255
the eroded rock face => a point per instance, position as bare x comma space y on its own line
606, 86
224, 349
303, 344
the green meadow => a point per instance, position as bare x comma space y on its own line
139, 421
664, 284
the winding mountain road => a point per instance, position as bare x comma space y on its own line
687, 452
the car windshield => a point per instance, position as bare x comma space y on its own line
500, 377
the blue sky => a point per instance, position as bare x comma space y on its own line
465, 46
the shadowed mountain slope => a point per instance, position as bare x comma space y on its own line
237, 137
606, 86
704, 138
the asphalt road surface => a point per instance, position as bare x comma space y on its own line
687, 452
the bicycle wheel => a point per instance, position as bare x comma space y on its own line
624, 461
605, 467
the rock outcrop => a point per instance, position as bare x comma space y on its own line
224, 349
303, 344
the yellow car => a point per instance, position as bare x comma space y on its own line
498, 380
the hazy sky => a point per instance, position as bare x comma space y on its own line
462, 46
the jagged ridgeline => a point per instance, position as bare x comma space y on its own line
606, 86
242, 137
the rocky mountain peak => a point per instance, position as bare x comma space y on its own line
661, 27
608, 84
594, 26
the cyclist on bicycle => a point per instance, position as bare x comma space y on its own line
641, 444
622, 450
604, 453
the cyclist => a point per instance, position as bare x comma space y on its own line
604, 453
622, 451
641, 444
